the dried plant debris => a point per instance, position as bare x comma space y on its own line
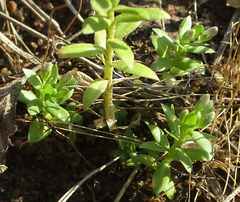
8, 98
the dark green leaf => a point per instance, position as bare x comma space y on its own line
38, 130
72, 137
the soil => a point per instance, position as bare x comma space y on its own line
46, 170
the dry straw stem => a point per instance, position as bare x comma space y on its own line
227, 119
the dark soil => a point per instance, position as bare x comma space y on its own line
46, 170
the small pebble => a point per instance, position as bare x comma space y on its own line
12, 6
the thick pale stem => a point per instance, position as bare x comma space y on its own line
109, 73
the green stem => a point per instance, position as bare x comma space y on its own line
109, 68
177, 144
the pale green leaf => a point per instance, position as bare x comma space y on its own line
186, 64
199, 49
170, 190
159, 135
93, 91
80, 50
138, 69
125, 28
26, 96
100, 38
152, 145
191, 119
171, 120
35, 106
123, 51
198, 29
198, 154
146, 13
156, 14
161, 47
52, 79
185, 25
184, 159
33, 78
101, 6
145, 160
56, 110
161, 178
95, 23
115, 2
202, 142
128, 17
166, 39
162, 64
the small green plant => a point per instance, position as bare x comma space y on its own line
49, 95
108, 31
190, 40
183, 129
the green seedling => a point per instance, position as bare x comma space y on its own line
108, 31
190, 40
49, 95
183, 129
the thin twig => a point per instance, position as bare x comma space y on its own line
67, 195
23, 26
24, 54
125, 186
71, 7
232, 195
